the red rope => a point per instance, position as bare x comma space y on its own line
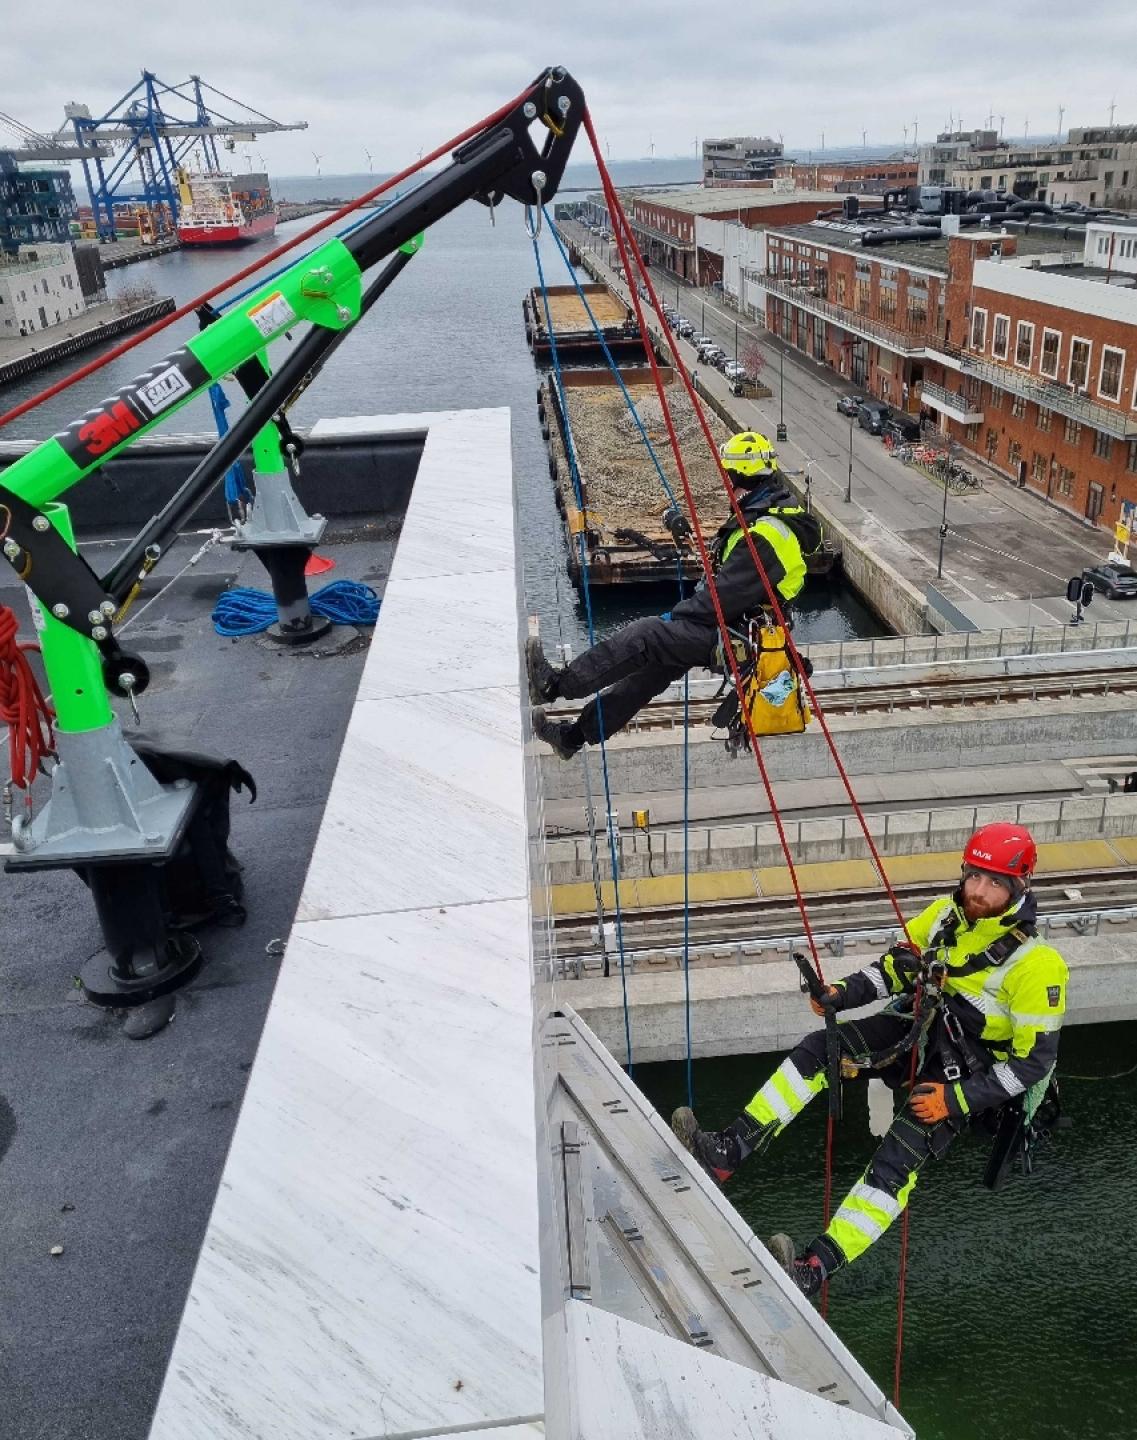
623, 233
621, 230
119, 350
23, 709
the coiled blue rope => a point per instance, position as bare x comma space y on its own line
243, 611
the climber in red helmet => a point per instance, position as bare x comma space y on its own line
993, 1000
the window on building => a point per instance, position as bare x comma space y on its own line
1044, 417
1038, 468
992, 443
1048, 361
1014, 452
978, 329
1018, 406
1079, 372
1109, 380
840, 295
1024, 344
1131, 457
1065, 480
999, 336
1103, 445
1073, 432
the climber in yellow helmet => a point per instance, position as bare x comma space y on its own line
645, 657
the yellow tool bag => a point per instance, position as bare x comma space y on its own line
771, 686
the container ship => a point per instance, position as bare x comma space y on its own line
218, 209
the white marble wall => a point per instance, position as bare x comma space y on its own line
371, 1263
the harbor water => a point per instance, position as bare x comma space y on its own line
1018, 1314
448, 334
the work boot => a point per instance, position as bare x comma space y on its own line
804, 1270
719, 1152
543, 677
562, 735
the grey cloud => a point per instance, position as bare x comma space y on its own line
394, 77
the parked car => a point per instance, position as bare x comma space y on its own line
849, 404
700, 342
712, 354
734, 370
871, 416
1115, 582
685, 327
902, 427
706, 348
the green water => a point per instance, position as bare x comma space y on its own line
1019, 1318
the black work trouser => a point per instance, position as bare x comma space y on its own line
631, 667
882, 1192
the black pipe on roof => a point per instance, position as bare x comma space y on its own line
901, 232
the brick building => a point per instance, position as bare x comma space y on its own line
864, 177
664, 221
1015, 345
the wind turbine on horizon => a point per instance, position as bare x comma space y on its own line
369, 165
317, 160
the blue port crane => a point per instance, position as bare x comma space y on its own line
134, 151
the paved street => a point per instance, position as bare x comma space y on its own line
1008, 554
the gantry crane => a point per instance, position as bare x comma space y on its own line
147, 142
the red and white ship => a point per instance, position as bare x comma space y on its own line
218, 209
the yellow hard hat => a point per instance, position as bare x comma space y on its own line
749, 454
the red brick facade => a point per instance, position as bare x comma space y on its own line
1002, 354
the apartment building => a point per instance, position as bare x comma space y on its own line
742, 159
38, 288
1091, 166
857, 177
1015, 345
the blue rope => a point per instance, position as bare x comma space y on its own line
236, 483
242, 611
686, 679
578, 491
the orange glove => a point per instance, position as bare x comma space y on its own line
928, 1102
832, 1001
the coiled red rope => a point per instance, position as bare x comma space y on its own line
23, 709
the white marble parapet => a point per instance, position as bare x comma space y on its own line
371, 1263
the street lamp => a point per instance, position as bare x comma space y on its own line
849, 482
943, 535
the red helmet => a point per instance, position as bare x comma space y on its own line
1003, 849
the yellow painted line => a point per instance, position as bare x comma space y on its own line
819, 877
911, 869
1077, 855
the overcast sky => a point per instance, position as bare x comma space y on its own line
396, 77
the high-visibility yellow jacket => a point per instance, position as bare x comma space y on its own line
1013, 1006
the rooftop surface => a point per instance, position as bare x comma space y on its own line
931, 253
698, 201
115, 1149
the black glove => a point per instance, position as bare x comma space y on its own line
678, 524
905, 957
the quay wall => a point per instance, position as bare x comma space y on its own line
43, 350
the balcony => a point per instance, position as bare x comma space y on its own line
800, 294
955, 407
1047, 393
